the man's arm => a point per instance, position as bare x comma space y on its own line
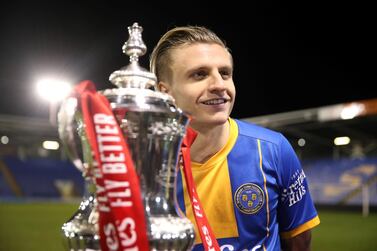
300, 242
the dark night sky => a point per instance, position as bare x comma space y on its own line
288, 56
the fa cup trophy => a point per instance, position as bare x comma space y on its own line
153, 128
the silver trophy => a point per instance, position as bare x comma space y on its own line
154, 128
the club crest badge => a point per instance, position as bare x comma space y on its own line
249, 198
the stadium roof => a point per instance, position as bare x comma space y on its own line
318, 127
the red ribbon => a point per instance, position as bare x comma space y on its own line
121, 212
206, 234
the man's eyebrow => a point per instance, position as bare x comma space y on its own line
204, 67
197, 68
226, 67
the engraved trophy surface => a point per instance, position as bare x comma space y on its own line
154, 128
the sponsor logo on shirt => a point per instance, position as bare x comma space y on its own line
228, 247
296, 189
249, 198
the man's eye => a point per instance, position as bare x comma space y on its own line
199, 75
226, 74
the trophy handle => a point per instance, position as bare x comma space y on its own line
73, 136
80, 232
68, 129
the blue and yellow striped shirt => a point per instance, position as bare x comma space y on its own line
253, 191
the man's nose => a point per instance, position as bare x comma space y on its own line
217, 82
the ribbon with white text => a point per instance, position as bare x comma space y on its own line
122, 224
206, 234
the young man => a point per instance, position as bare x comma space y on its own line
248, 178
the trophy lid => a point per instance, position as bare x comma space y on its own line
133, 75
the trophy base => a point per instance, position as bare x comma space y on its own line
80, 232
171, 233
82, 243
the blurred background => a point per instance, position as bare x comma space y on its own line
304, 69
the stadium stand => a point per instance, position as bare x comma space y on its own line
41, 178
340, 182
5, 189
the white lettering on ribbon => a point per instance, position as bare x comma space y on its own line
197, 207
111, 238
127, 240
115, 193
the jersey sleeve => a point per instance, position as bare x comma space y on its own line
296, 211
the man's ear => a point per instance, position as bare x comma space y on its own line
163, 87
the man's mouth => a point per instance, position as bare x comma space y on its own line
218, 101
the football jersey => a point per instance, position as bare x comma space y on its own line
253, 191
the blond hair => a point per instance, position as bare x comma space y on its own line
160, 59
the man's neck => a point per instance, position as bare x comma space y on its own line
208, 142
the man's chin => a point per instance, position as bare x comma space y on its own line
209, 122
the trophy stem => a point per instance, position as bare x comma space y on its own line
80, 232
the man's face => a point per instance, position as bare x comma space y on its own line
201, 83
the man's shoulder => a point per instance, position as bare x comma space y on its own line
249, 129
